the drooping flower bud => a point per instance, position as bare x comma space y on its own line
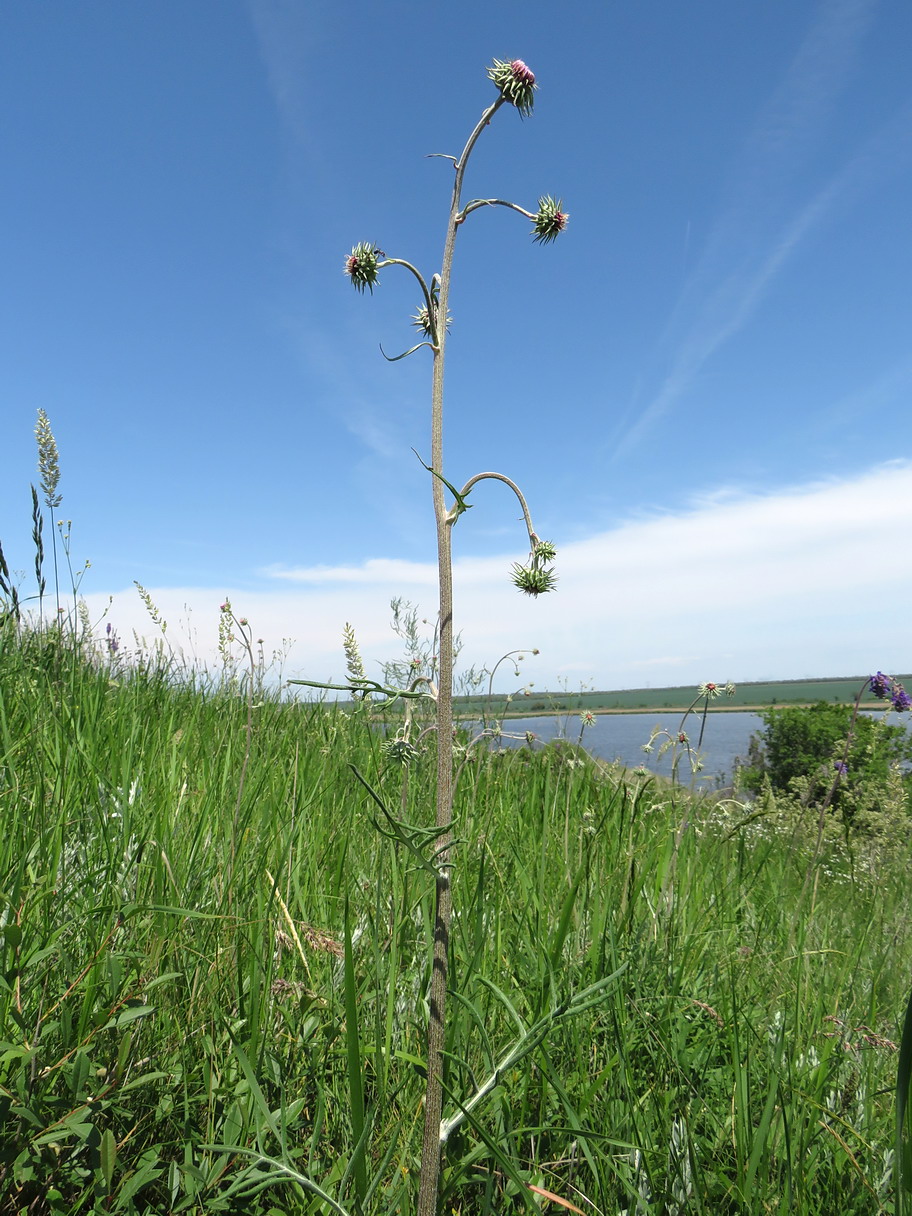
533, 580
516, 83
361, 266
537, 577
550, 221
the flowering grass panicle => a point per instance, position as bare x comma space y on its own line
48, 461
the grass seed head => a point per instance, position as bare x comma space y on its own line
48, 460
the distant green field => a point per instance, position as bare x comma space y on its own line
839, 689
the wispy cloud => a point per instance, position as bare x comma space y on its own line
808, 581
760, 227
375, 571
288, 35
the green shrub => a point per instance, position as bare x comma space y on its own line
805, 744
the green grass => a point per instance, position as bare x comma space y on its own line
214, 1003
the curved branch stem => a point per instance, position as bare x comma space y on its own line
428, 302
533, 538
492, 202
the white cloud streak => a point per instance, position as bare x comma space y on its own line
752, 243
809, 581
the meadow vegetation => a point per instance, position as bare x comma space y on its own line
661, 1004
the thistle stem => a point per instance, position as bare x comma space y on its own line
431, 1144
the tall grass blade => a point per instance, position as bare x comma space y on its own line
903, 1136
358, 1164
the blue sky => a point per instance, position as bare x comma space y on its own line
703, 386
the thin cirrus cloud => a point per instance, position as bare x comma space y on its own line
810, 580
759, 229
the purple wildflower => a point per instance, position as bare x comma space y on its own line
880, 685
516, 82
841, 767
900, 700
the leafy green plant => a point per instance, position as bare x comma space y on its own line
823, 742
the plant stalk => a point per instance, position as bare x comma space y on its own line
433, 1104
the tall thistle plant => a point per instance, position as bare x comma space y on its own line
516, 87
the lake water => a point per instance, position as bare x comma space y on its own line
621, 737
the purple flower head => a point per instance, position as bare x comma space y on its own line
900, 700
516, 82
841, 767
521, 72
880, 685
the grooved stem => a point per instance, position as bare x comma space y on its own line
433, 1103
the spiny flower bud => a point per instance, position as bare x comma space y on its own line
399, 751
536, 578
533, 580
545, 551
516, 83
361, 266
550, 221
422, 322
422, 318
